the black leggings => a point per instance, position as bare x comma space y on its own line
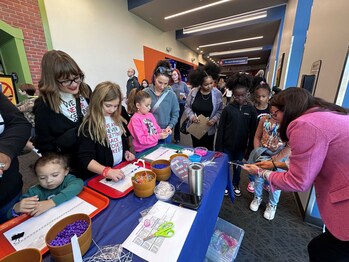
326, 247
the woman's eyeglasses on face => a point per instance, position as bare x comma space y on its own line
275, 114
68, 82
164, 70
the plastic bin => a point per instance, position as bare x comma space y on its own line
225, 242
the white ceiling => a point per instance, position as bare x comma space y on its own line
154, 11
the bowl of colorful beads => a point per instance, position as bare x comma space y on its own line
201, 151
144, 183
161, 168
58, 237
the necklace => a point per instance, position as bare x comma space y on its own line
205, 97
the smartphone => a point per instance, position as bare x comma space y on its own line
186, 200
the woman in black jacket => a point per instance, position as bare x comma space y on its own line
102, 139
61, 106
14, 134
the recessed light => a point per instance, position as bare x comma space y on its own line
233, 41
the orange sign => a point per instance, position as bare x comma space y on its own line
8, 88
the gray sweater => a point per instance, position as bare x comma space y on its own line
168, 111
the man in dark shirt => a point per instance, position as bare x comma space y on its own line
132, 81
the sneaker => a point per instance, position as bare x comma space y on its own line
250, 187
255, 203
226, 192
269, 212
237, 191
177, 141
266, 188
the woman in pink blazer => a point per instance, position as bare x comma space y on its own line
318, 134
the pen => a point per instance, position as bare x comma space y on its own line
232, 163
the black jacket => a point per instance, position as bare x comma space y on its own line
89, 150
131, 83
12, 141
236, 129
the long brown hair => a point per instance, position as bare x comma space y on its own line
135, 96
55, 65
94, 121
294, 102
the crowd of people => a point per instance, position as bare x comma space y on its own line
80, 133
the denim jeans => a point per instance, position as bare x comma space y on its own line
258, 191
235, 156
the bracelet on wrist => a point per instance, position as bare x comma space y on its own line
14, 213
105, 171
275, 168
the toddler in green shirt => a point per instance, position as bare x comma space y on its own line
55, 186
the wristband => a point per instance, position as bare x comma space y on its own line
275, 168
105, 171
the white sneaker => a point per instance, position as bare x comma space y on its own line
255, 204
269, 212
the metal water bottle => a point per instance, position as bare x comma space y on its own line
196, 178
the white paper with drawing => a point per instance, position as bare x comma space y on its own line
124, 184
35, 228
160, 153
161, 248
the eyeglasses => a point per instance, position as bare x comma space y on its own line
274, 115
68, 82
164, 70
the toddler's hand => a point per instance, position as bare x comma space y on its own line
42, 207
26, 205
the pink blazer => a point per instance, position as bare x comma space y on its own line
319, 144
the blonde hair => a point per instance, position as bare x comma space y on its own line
93, 123
56, 65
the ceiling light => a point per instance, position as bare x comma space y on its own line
236, 51
196, 9
230, 20
254, 58
231, 42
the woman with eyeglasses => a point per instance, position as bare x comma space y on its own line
317, 132
164, 104
62, 104
204, 100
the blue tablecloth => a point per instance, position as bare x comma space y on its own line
114, 224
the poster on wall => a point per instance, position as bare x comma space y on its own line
315, 70
8, 88
279, 70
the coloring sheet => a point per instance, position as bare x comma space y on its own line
160, 153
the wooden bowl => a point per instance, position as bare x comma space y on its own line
24, 255
161, 173
145, 189
65, 253
178, 154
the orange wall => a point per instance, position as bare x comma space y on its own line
151, 57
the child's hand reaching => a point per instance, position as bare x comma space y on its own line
168, 130
164, 134
26, 205
115, 174
42, 207
129, 156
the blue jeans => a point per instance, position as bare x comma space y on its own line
7, 207
258, 191
235, 156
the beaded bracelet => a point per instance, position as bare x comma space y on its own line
14, 213
105, 171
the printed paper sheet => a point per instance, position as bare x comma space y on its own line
35, 228
123, 185
161, 248
160, 153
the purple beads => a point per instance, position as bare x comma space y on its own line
160, 166
76, 228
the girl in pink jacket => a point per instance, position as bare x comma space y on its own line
143, 127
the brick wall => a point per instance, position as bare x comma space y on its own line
25, 15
